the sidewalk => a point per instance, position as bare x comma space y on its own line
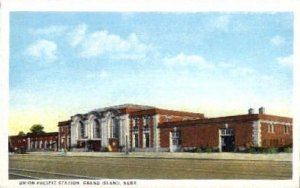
178, 155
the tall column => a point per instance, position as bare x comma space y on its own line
28, 143
86, 128
121, 132
124, 125
256, 133
133, 140
74, 134
144, 121
59, 138
220, 140
104, 132
156, 132
92, 126
170, 142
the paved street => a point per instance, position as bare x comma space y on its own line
137, 167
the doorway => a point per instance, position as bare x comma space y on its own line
227, 140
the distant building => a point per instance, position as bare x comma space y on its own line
17, 142
64, 135
35, 142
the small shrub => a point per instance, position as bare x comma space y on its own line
271, 150
262, 150
288, 150
104, 149
190, 149
252, 150
199, 150
208, 150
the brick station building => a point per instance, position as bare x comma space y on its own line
111, 127
147, 128
228, 133
64, 135
17, 142
34, 142
144, 127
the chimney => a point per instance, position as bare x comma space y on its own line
251, 111
261, 110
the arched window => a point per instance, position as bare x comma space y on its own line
82, 129
97, 128
114, 128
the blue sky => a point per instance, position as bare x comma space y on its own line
214, 63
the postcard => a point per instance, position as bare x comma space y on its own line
109, 95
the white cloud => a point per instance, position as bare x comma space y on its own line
103, 43
244, 70
77, 35
187, 60
225, 65
236, 70
285, 61
277, 40
42, 50
100, 42
221, 22
103, 74
51, 30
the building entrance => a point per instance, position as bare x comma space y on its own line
94, 145
114, 144
175, 140
227, 140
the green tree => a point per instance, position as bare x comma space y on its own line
37, 129
21, 133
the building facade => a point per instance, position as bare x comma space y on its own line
147, 128
64, 135
34, 142
113, 127
101, 128
144, 133
231, 133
